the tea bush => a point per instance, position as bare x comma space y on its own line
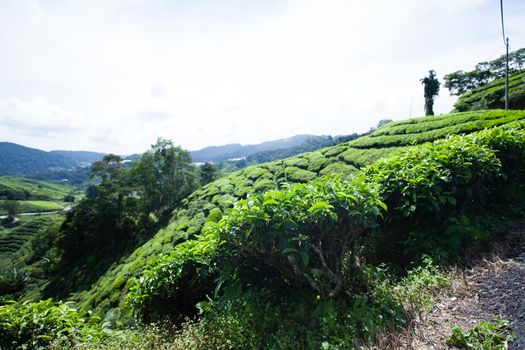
32, 325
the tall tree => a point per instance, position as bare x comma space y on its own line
208, 173
431, 88
12, 208
460, 82
108, 168
165, 175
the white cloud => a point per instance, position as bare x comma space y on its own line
128, 71
37, 114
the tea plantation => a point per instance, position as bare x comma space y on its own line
213, 200
326, 249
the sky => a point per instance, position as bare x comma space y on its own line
114, 75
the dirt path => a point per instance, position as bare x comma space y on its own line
492, 287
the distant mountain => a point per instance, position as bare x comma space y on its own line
81, 158
20, 160
312, 143
237, 151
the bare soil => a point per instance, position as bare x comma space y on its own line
490, 287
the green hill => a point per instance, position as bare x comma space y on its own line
20, 160
211, 201
21, 188
492, 95
34, 195
24, 254
312, 262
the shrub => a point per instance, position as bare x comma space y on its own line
484, 336
306, 232
35, 324
174, 283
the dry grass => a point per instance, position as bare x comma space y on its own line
458, 304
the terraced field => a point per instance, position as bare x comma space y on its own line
18, 244
34, 195
492, 95
36, 189
214, 199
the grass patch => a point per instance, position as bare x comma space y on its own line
494, 335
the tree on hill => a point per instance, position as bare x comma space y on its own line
12, 208
108, 168
460, 82
164, 175
208, 173
431, 88
116, 214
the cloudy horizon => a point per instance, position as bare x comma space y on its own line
114, 75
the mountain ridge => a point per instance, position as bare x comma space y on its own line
16, 159
237, 150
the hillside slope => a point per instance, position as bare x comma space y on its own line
21, 188
492, 95
19, 160
211, 201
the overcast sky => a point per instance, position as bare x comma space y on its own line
113, 75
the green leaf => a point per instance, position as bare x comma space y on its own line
289, 250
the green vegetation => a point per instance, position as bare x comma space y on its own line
484, 336
461, 82
308, 145
27, 255
484, 87
312, 237
21, 188
38, 206
431, 90
188, 220
492, 95
405, 133
20, 160
277, 255
33, 325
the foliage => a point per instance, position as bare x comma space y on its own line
460, 82
247, 317
26, 255
421, 130
108, 168
185, 275
189, 218
21, 188
11, 208
428, 180
12, 281
69, 198
119, 212
208, 172
164, 176
494, 335
308, 145
431, 89
492, 95
308, 232
30, 325
416, 288
242, 269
